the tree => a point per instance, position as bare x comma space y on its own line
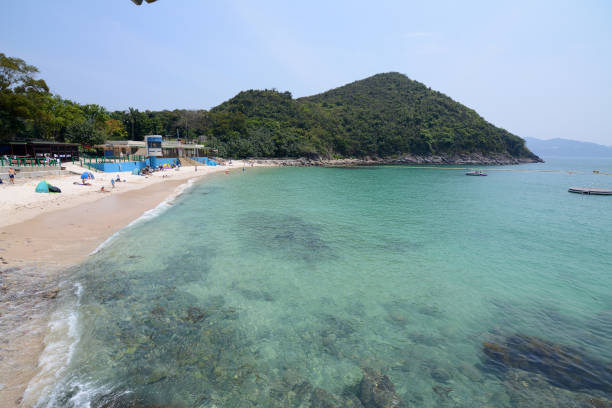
84, 133
134, 122
21, 95
115, 130
54, 116
96, 115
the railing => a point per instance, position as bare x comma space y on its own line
29, 162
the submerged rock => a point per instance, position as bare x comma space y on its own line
377, 391
562, 366
341, 328
51, 294
442, 391
319, 398
527, 389
287, 235
440, 375
303, 394
398, 319
195, 314
126, 400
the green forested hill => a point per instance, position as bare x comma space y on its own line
385, 115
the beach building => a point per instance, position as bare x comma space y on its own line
39, 149
154, 151
169, 148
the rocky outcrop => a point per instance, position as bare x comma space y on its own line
466, 158
457, 159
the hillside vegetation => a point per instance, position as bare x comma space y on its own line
384, 116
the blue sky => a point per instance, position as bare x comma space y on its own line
537, 68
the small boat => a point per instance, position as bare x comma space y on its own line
476, 173
589, 191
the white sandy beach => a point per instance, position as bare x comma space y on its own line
20, 202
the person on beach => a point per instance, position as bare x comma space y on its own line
113, 182
12, 175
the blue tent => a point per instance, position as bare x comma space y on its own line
42, 187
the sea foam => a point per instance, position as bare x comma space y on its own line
60, 343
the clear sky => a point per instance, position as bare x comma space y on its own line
536, 68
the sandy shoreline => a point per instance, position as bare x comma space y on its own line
42, 235
20, 202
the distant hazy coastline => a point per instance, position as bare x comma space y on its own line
567, 148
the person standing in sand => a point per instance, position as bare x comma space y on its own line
12, 175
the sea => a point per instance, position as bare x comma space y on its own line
395, 286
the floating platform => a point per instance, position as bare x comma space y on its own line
590, 191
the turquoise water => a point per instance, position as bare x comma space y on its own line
265, 287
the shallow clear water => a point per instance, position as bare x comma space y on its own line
257, 287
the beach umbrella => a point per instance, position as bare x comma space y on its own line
85, 175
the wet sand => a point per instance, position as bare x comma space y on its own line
33, 257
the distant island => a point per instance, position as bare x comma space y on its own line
567, 148
386, 118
